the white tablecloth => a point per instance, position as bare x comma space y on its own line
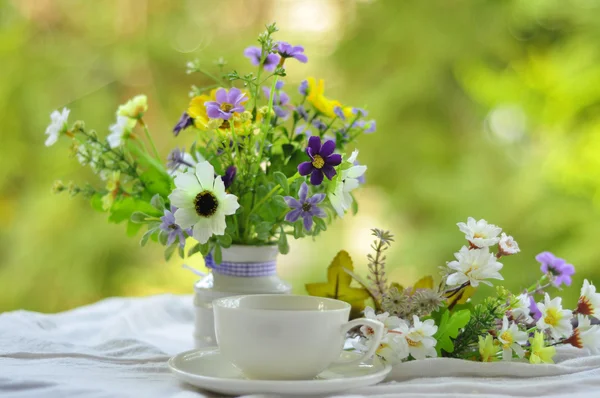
119, 347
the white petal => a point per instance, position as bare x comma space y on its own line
350, 184
188, 182
219, 187
355, 171
353, 157
185, 218
182, 199
202, 230
218, 224
229, 205
205, 173
457, 278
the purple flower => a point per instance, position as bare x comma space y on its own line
184, 122
229, 176
319, 124
177, 158
226, 104
306, 207
360, 112
303, 87
368, 126
286, 50
322, 160
255, 55
281, 100
279, 85
302, 112
534, 310
173, 230
558, 267
339, 112
303, 129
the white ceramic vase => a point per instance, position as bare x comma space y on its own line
217, 285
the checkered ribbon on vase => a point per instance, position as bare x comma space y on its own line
241, 269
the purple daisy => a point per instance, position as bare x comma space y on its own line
281, 101
255, 55
558, 267
173, 230
227, 102
229, 176
286, 50
305, 207
322, 160
184, 122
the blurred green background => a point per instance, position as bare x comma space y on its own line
485, 108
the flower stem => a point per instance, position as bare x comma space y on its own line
147, 132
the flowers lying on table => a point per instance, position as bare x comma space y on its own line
426, 321
266, 163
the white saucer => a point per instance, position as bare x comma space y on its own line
207, 369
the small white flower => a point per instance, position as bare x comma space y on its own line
589, 300
134, 108
508, 245
202, 202
480, 233
554, 318
390, 322
339, 196
419, 337
393, 347
511, 339
474, 266
520, 311
57, 126
120, 130
586, 335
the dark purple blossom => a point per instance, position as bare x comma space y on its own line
229, 176
255, 55
322, 160
227, 102
178, 158
286, 50
281, 101
303, 87
184, 122
557, 267
534, 310
173, 231
305, 207
339, 112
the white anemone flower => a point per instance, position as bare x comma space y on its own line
480, 233
339, 196
202, 202
474, 266
508, 245
120, 130
586, 335
589, 300
521, 311
57, 126
511, 339
554, 319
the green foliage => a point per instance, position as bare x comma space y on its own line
449, 327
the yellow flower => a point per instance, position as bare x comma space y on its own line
539, 352
113, 186
134, 108
197, 110
316, 96
488, 349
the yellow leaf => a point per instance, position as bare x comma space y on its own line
461, 296
423, 283
338, 283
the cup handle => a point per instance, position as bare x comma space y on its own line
378, 329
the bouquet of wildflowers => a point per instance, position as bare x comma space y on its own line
263, 166
428, 321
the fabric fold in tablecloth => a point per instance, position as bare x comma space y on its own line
119, 347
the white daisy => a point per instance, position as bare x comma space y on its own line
508, 245
134, 108
474, 266
120, 130
58, 125
511, 339
480, 233
554, 318
347, 181
390, 322
202, 202
419, 337
520, 310
585, 335
589, 300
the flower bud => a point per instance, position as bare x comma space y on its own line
214, 124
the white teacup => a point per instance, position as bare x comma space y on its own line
285, 337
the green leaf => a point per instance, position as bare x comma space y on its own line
218, 254
133, 228
448, 329
96, 202
354, 205
146, 236
163, 237
170, 250
195, 249
288, 149
155, 177
139, 217
123, 208
263, 230
298, 229
320, 224
181, 251
204, 249
158, 202
284, 248
281, 179
224, 240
